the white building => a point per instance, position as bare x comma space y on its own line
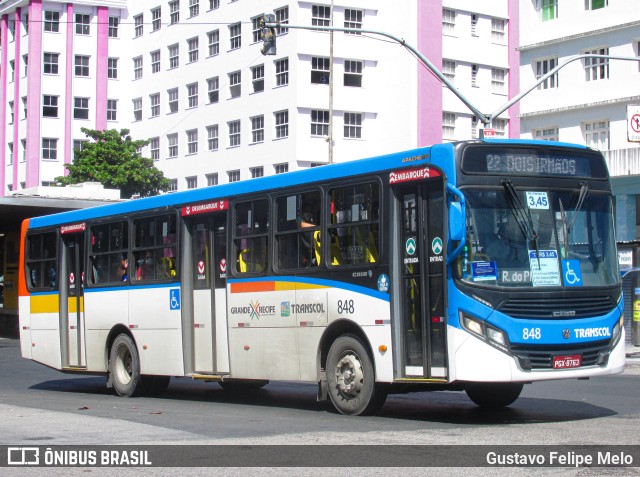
189, 75
586, 101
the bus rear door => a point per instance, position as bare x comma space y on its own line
420, 256
72, 295
208, 264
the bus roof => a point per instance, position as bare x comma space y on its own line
440, 155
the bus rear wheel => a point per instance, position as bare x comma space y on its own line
124, 367
494, 395
351, 378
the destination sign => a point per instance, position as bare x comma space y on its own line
72, 229
205, 207
533, 161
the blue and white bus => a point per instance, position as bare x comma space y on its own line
476, 266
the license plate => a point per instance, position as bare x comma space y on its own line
562, 362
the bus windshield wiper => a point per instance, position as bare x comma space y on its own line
522, 215
565, 231
584, 191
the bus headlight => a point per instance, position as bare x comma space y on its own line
617, 331
486, 332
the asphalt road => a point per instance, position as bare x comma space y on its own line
41, 406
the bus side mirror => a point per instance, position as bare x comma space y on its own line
456, 221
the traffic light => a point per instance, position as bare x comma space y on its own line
268, 35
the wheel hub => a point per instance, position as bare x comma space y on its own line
349, 376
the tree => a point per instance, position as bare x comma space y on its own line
112, 159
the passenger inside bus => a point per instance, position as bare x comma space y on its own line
310, 249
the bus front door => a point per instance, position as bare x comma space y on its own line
420, 300
209, 272
74, 290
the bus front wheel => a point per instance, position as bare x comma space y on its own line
351, 378
494, 395
124, 367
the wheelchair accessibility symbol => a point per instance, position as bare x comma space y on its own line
572, 273
174, 299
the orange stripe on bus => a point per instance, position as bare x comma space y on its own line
22, 282
247, 287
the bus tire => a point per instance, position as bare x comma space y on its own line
124, 368
494, 395
351, 378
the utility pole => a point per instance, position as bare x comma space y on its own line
330, 138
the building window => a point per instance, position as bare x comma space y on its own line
79, 145
549, 134
257, 129
234, 176
174, 12
137, 67
500, 125
448, 21
114, 22
50, 63
542, 68
156, 19
137, 109
353, 73
282, 124
281, 168
235, 84
596, 68
320, 15
596, 135
173, 100
353, 125
474, 76
257, 172
449, 69
319, 122
192, 95
474, 24
81, 65
49, 148
192, 45
24, 107
112, 68
257, 78
282, 72
256, 31
319, 70
548, 9
49, 107
112, 109
10, 158
174, 56
595, 4
498, 30
212, 138
172, 142
25, 62
192, 182
212, 179
154, 99
282, 18
83, 22
448, 124
154, 144
81, 108
173, 185
234, 133
214, 4
214, 42
138, 21
194, 8
474, 127
52, 21
235, 36
213, 91
192, 141
11, 112
353, 19
155, 61
498, 80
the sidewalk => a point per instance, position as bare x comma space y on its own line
633, 355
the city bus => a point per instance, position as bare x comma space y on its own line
475, 266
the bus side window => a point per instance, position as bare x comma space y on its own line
251, 236
41, 261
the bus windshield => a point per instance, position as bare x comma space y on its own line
539, 238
